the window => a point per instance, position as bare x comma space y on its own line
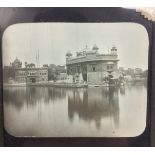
94, 68
110, 67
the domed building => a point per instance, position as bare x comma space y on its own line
94, 66
16, 63
29, 74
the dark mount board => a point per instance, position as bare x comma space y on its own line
9, 16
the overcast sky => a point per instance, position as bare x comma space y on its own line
53, 40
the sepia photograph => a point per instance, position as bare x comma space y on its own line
75, 79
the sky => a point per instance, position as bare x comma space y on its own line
53, 40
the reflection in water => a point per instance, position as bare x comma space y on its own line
32, 96
122, 90
48, 111
94, 106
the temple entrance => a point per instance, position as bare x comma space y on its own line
84, 77
33, 80
84, 72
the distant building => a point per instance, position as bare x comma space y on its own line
130, 72
31, 65
31, 75
138, 71
60, 69
45, 65
62, 76
16, 63
94, 67
9, 71
121, 69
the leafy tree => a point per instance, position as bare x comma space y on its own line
8, 72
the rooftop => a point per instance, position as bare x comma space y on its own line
88, 54
39, 68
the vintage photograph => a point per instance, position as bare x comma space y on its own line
75, 79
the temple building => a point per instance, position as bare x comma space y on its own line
92, 66
29, 74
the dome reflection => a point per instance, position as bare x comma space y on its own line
94, 104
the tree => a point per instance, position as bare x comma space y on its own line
8, 72
51, 74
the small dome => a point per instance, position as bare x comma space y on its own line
114, 48
68, 54
16, 60
95, 47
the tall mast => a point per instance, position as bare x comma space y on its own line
37, 59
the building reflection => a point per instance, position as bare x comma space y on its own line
70, 111
94, 104
122, 90
31, 96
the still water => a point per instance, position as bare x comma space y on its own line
75, 112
